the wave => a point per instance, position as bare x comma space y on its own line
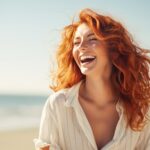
20, 117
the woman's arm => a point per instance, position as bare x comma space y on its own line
48, 133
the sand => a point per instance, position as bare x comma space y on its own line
21, 139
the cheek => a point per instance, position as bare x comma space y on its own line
75, 54
93, 45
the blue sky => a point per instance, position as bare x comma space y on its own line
30, 32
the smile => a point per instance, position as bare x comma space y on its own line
87, 59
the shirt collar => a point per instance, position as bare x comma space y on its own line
72, 94
119, 107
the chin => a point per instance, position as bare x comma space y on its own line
86, 71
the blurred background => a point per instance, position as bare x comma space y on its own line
29, 35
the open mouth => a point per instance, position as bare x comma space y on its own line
87, 59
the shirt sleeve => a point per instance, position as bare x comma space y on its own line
48, 132
147, 145
147, 134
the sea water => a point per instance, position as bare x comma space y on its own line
20, 111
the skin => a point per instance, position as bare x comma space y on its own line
98, 82
97, 86
44, 148
98, 102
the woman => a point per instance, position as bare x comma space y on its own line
102, 85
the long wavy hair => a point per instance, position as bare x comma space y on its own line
130, 71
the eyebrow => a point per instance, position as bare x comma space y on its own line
89, 34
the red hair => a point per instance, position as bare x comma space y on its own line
130, 71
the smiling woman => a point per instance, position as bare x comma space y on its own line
89, 52
102, 84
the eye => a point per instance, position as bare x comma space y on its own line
76, 43
93, 39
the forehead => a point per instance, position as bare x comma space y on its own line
82, 30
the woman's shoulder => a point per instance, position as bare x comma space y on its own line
148, 116
62, 96
147, 121
56, 98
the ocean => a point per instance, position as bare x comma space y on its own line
20, 111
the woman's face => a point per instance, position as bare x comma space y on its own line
90, 54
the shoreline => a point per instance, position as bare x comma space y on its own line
18, 139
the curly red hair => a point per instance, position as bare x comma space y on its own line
130, 64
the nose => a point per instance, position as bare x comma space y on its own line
83, 46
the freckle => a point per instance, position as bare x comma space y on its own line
93, 44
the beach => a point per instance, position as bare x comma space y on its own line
21, 139
19, 121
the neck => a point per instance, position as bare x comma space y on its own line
99, 92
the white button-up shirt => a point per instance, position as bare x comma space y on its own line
64, 126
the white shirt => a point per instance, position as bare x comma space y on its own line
64, 126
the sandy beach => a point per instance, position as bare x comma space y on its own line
21, 139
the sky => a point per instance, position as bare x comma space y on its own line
30, 32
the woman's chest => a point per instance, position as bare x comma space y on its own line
102, 122
103, 131
74, 130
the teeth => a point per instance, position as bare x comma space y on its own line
85, 57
